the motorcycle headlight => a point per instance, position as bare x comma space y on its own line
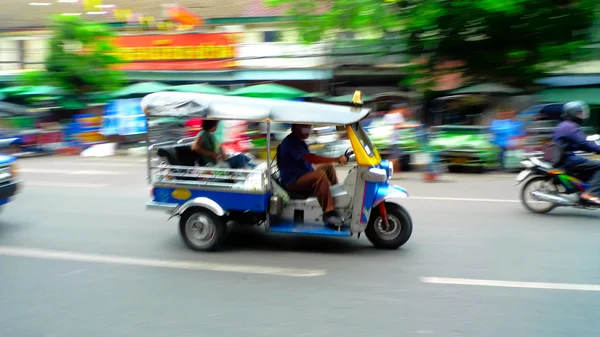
390, 169
14, 170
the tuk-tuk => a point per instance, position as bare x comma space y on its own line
207, 198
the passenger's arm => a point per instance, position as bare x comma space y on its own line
197, 147
580, 141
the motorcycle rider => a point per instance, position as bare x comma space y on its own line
569, 136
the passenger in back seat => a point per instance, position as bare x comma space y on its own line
210, 151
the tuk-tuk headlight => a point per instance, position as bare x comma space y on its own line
14, 170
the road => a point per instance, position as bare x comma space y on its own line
80, 256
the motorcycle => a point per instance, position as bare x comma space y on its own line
556, 188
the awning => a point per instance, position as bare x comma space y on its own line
588, 95
486, 88
571, 81
346, 99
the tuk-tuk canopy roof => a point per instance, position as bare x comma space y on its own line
187, 105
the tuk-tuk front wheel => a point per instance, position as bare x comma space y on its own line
393, 235
202, 230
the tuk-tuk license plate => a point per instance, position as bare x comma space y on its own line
458, 161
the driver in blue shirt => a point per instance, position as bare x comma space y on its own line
298, 174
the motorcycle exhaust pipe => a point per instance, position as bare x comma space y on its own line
558, 200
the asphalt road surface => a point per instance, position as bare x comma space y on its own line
80, 256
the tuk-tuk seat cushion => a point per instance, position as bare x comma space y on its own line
298, 196
291, 195
169, 154
186, 156
275, 178
280, 191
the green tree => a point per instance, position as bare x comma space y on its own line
510, 41
81, 58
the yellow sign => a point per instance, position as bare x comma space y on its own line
122, 14
176, 53
181, 194
146, 20
92, 5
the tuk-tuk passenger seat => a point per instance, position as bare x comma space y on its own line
180, 155
186, 156
169, 154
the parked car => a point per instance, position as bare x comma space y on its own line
465, 146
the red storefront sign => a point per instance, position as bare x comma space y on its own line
177, 51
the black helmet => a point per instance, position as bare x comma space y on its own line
576, 111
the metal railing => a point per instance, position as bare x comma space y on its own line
206, 177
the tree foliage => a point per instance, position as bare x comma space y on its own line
81, 58
512, 41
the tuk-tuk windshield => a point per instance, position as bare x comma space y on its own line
364, 139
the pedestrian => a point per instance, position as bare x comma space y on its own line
395, 118
506, 129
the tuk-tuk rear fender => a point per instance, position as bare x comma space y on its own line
206, 203
390, 193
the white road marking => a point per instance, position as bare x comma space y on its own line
79, 172
97, 164
97, 172
157, 263
37, 170
463, 199
62, 184
511, 284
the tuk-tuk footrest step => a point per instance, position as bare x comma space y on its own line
292, 228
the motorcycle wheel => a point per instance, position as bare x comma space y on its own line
545, 205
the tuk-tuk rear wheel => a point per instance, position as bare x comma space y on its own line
202, 230
396, 234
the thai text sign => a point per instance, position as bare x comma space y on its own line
177, 51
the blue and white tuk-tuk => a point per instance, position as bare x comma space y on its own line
9, 183
206, 199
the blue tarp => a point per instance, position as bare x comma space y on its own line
124, 117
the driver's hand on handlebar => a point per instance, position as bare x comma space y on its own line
342, 159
